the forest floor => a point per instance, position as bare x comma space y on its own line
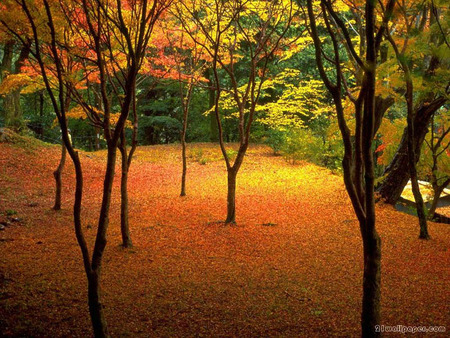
291, 266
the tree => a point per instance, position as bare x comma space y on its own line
132, 31
185, 65
241, 38
358, 163
406, 67
11, 101
439, 165
426, 48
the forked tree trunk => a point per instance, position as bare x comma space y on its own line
93, 273
231, 196
58, 177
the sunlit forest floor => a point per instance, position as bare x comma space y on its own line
291, 266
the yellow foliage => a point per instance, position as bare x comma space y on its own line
22, 82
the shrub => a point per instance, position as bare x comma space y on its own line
275, 139
302, 144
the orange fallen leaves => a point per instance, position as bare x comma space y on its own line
292, 266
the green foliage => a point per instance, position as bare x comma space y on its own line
305, 145
302, 144
203, 160
231, 153
275, 139
10, 212
159, 129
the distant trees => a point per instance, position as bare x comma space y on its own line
241, 38
11, 64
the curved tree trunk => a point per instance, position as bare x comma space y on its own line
397, 174
58, 179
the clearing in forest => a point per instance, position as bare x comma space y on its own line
291, 266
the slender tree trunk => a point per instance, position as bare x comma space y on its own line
419, 204
124, 224
58, 177
97, 138
231, 196
437, 191
412, 158
183, 155
185, 102
370, 316
214, 136
93, 274
96, 307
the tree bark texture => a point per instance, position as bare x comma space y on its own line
96, 307
231, 196
124, 223
397, 174
58, 178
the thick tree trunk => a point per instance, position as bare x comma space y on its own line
96, 307
13, 110
397, 174
231, 197
124, 224
11, 102
58, 179
370, 316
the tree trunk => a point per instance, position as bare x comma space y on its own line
214, 136
13, 110
124, 224
419, 202
96, 307
183, 155
57, 174
397, 174
231, 196
412, 158
370, 316
437, 191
